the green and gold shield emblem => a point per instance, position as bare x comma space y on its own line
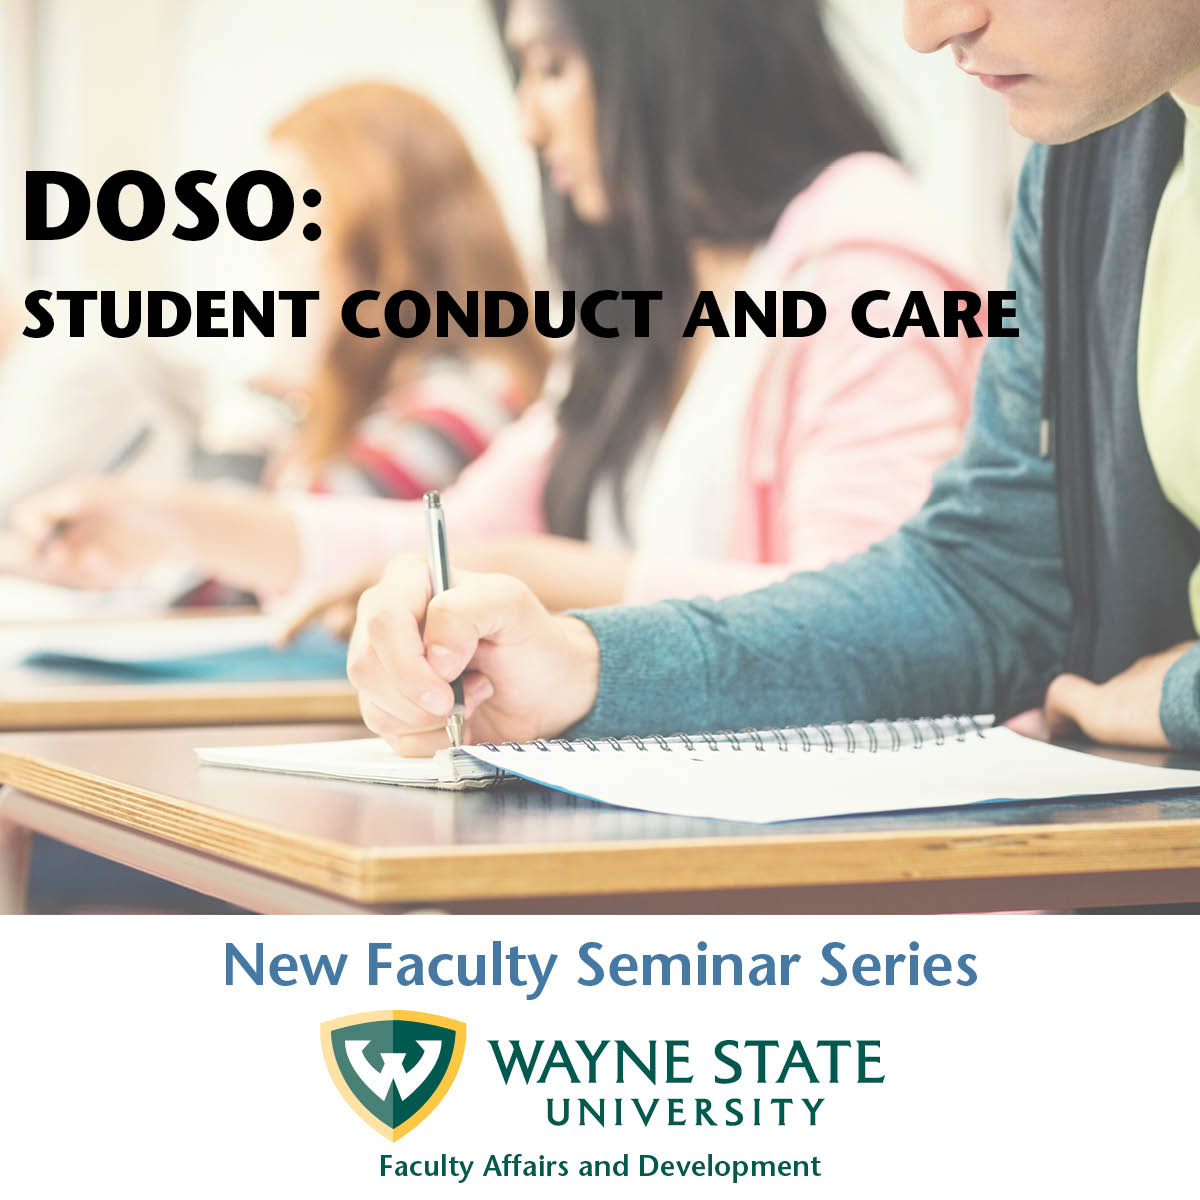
393, 1067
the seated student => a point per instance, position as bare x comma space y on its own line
403, 205
1061, 545
80, 404
736, 156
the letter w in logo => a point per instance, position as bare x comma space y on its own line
393, 1068
393, 1073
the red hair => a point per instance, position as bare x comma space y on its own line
404, 205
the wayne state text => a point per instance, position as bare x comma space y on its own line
500, 965
562, 1067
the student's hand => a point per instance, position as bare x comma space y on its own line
105, 531
335, 609
92, 532
15, 558
1121, 712
527, 673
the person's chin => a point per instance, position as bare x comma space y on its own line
590, 208
1049, 124
1052, 118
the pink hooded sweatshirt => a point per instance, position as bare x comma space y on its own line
839, 434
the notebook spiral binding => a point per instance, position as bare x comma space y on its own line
853, 737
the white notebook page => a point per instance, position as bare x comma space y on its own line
775, 785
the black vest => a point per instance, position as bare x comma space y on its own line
1128, 552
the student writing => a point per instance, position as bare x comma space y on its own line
685, 146
403, 204
1025, 569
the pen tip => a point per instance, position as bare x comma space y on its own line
456, 728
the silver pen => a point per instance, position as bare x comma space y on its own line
119, 461
439, 577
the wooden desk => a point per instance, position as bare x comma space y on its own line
55, 698
42, 699
278, 844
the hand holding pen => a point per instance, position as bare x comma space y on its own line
119, 461
439, 578
522, 672
89, 531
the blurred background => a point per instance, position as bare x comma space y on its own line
92, 87
171, 85
168, 86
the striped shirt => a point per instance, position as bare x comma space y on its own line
418, 437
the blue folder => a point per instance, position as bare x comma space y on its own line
315, 654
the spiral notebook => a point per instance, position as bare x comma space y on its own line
757, 776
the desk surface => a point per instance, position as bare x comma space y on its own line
373, 845
59, 698
34, 698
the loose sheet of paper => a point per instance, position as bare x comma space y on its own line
360, 760
120, 641
25, 600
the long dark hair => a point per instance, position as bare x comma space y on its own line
711, 116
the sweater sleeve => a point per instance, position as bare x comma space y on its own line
877, 418
964, 610
871, 419
498, 494
1180, 707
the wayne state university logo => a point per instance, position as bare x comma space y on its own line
394, 1068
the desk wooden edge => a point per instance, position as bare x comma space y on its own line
156, 705
380, 875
